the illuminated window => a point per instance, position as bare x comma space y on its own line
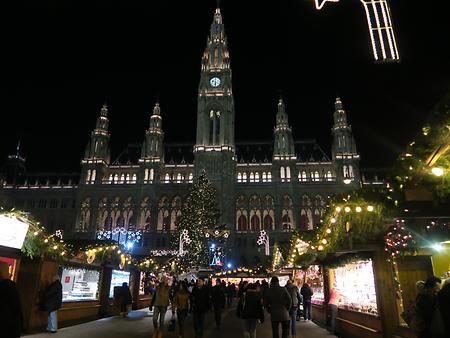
167, 178
316, 176
288, 174
329, 176
134, 177
282, 174
252, 177
269, 177
88, 176
244, 177
264, 177
179, 178
94, 174
152, 174
146, 175
239, 177
256, 177
190, 177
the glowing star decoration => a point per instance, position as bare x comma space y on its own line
321, 3
381, 30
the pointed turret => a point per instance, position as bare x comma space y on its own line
152, 148
284, 142
344, 147
97, 149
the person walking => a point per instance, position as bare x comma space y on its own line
307, 293
218, 301
201, 304
230, 294
10, 308
181, 304
160, 302
278, 303
295, 298
250, 310
444, 305
53, 302
426, 304
125, 299
335, 299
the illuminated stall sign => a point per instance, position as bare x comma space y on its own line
117, 279
12, 231
79, 284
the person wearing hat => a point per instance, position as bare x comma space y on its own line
10, 308
278, 303
201, 304
218, 301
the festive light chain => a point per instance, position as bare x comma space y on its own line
322, 240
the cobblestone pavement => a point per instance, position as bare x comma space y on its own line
139, 325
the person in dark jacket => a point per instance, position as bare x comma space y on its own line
125, 299
201, 303
53, 302
250, 309
295, 297
426, 304
444, 305
231, 291
307, 293
278, 303
10, 308
218, 301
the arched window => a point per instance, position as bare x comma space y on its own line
111, 179
115, 212
94, 174
152, 174
102, 212
252, 177
163, 214
269, 177
128, 206
264, 177
116, 178
134, 178
85, 215
146, 175
282, 174
145, 219
286, 221
244, 177
316, 176
288, 174
127, 179
242, 223
239, 177
268, 222
350, 171
167, 178
122, 178
256, 177
176, 212
329, 177
190, 177
255, 223
179, 178
88, 176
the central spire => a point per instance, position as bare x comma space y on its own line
216, 56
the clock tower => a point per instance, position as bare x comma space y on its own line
214, 150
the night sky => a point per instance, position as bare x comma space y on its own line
63, 59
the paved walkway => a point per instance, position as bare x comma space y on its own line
139, 325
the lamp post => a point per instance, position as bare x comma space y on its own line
264, 239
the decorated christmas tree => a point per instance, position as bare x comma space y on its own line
199, 215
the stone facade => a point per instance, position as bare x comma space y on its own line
280, 186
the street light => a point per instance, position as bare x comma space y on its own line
437, 171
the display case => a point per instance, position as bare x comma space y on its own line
117, 279
356, 284
79, 284
314, 277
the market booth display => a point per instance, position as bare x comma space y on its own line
12, 235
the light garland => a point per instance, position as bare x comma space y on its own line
264, 239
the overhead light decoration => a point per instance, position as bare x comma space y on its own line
321, 3
381, 31
436, 171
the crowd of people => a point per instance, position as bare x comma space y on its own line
200, 297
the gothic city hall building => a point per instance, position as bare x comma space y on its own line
280, 185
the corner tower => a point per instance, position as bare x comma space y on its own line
214, 150
344, 147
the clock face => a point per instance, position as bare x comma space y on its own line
215, 81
